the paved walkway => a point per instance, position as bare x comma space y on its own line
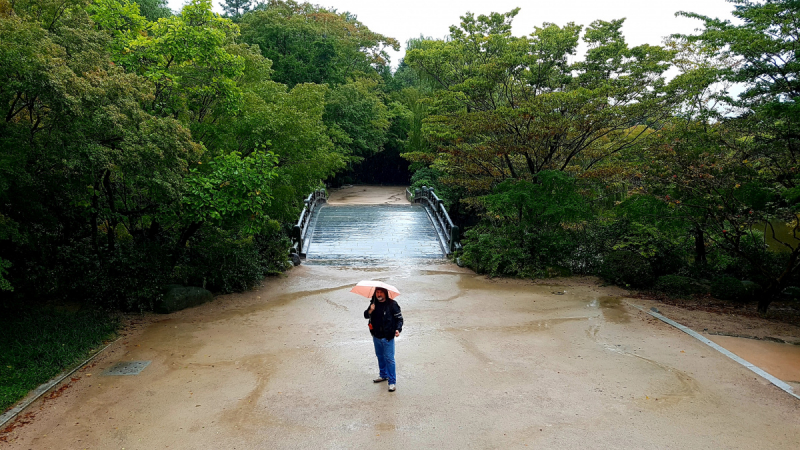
372, 234
482, 364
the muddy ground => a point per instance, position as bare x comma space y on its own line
481, 363
563, 363
716, 317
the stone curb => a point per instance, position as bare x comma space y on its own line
12, 413
759, 371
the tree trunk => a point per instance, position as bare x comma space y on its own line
764, 302
185, 236
112, 205
93, 222
699, 246
510, 166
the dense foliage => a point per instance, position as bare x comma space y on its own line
139, 150
603, 165
142, 147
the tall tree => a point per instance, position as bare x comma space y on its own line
311, 44
89, 170
153, 10
235, 9
741, 173
511, 106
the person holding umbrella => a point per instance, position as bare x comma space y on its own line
385, 324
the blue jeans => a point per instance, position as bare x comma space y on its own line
384, 350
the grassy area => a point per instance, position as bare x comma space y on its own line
37, 344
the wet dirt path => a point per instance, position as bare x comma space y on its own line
481, 364
778, 359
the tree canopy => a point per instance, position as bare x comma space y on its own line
142, 147
508, 106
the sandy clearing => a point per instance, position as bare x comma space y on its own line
368, 195
482, 363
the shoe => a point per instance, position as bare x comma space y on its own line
379, 380
391, 388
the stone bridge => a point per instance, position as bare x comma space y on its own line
360, 226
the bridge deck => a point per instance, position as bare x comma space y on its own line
370, 234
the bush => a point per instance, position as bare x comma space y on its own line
727, 288
222, 261
495, 254
677, 285
129, 279
791, 293
516, 252
626, 269
751, 290
429, 177
593, 241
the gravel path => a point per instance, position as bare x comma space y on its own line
482, 364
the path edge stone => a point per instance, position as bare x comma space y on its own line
34, 395
752, 367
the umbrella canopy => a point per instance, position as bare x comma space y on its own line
367, 288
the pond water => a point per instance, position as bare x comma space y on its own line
783, 232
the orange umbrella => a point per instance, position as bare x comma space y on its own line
367, 288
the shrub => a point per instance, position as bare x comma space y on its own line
429, 177
594, 240
495, 254
791, 293
751, 290
677, 285
727, 288
225, 262
626, 269
517, 252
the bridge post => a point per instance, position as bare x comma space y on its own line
453, 237
297, 237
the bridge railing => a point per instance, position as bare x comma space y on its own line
301, 228
441, 219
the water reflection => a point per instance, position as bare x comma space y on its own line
612, 309
783, 233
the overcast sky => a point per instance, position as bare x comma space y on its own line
646, 21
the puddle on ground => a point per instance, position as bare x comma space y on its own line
613, 309
385, 427
539, 325
779, 360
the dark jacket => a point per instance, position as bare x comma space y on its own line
385, 319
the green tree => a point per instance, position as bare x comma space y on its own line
153, 10
736, 175
119, 170
235, 9
88, 169
287, 122
511, 106
357, 117
185, 57
311, 44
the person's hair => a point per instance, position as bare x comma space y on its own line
385, 293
